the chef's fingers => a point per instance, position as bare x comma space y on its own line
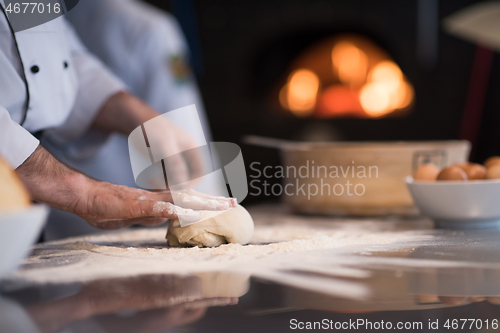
208, 196
232, 201
168, 210
190, 201
193, 200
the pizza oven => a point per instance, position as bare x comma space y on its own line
345, 75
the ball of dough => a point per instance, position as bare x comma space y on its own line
234, 225
13, 194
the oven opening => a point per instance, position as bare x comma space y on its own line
346, 75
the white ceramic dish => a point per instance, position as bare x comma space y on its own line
458, 205
18, 231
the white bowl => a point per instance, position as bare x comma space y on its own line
19, 230
462, 205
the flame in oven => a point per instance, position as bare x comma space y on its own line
300, 93
357, 79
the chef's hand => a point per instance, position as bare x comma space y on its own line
108, 206
123, 113
105, 205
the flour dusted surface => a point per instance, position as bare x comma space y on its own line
281, 242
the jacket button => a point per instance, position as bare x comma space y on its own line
66, 65
35, 69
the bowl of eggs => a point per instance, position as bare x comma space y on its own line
460, 196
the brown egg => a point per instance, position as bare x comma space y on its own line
491, 161
452, 173
493, 172
426, 172
473, 170
462, 165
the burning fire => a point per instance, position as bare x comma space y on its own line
300, 93
364, 83
386, 90
350, 63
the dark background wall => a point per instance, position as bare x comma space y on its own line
242, 48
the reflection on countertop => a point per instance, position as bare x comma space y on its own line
441, 274
142, 303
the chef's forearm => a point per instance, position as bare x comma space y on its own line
51, 182
104, 205
123, 113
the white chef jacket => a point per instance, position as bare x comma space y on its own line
67, 87
144, 47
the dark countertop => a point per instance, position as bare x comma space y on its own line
451, 276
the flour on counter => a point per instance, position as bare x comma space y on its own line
324, 249
343, 258
321, 254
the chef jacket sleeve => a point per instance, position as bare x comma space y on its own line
96, 85
16, 143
